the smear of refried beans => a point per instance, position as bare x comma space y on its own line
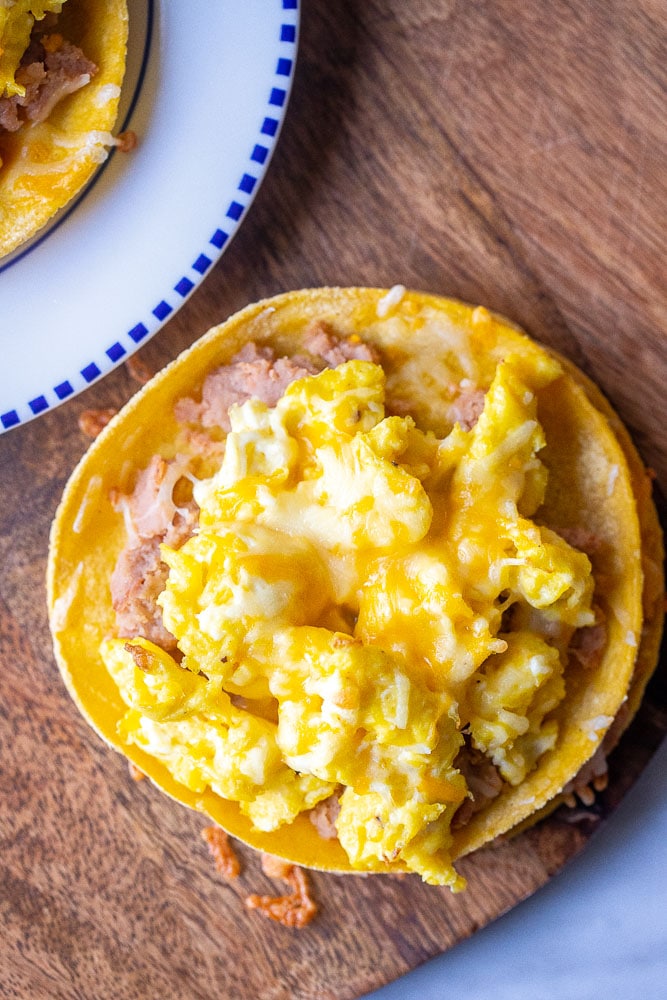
51, 68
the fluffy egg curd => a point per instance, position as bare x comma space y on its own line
380, 585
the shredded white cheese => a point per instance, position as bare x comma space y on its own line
611, 480
480, 315
402, 691
595, 726
390, 300
63, 603
93, 489
109, 92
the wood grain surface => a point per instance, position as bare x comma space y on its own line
511, 154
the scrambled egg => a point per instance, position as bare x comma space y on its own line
341, 612
16, 21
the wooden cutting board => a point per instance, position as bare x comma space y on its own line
511, 154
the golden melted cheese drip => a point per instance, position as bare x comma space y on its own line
339, 612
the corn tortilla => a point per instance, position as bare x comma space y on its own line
596, 483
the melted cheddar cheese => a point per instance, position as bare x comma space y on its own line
340, 614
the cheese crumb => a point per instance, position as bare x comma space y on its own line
595, 726
390, 300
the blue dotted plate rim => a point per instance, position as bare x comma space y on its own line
145, 327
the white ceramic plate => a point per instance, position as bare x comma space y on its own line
206, 89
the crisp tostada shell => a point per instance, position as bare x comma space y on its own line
596, 483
